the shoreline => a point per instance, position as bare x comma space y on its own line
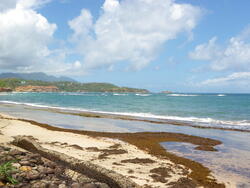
135, 118
125, 116
142, 144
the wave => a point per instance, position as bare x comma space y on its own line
73, 94
142, 95
205, 122
221, 95
182, 95
3, 94
120, 94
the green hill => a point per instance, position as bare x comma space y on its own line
69, 86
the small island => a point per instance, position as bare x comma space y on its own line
167, 92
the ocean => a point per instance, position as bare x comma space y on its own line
231, 111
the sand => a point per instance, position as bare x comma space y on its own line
106, 152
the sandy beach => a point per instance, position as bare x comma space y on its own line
141, 166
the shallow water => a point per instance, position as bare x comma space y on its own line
217, 110
230, 164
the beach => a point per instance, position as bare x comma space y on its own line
113, 154
149, 151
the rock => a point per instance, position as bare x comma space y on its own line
90, 185
24, 185
34, 155
25, 168
30, 88
40, 168
48, 163
3, 89
53, 186
33, 161
76, 185
63, 181
62, 186
15, 152
16, 165
20, 178
167, 92
102, 185
32, 175
7, 158
39, 185
48, 171
24, 163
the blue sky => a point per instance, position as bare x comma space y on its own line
183, 46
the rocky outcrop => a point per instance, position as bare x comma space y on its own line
36, 89
31, 170
89, 169
3, 89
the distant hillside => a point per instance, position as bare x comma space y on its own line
36, 76
14, 83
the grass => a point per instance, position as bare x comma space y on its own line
6, 171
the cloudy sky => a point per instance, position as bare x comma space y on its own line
179, 45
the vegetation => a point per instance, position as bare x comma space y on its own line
69, 86
6, 171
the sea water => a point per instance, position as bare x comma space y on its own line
213, 110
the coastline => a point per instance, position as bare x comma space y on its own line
134, 118
156, 119
95, 147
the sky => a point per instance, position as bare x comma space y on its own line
176, 45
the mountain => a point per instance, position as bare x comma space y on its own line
23, 85
36, 76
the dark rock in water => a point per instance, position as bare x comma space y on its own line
167, 92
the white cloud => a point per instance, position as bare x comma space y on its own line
235, 55
130, 31
81, 25
110, 5
236, 78
25, 35
206, 51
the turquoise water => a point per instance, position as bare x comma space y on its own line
219, 110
